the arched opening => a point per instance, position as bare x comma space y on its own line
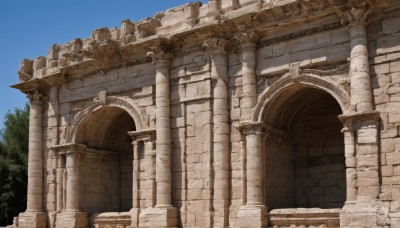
304, 150
106, 166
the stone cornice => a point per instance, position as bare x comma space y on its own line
108, 48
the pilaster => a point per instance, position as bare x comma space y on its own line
34, 215
221, 130
70, 215
146, 139
253, 213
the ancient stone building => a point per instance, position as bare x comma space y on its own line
235, 113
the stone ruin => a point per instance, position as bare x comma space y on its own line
235, 113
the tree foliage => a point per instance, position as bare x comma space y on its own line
13, 164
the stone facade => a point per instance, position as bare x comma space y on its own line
235, 113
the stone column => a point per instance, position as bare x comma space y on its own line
34, 215
249, 79
351, 163
165, 214
219, 75
72, 167
355, 20
146, 139
60, 186
162, 61
254, 213
135, 175
35, 157
71, 215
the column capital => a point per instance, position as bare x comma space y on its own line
249, 128
248, 40
144, 135
355, 12
216, 44
159, 54
35, 97
350, 119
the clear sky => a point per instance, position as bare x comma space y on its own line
28, 28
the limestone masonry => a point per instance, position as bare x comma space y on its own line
235, 113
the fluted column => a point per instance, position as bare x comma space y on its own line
355, 20
221, 129
249, 80
35, 157
162, 61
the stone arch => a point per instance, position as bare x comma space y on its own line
123, 103
305, 81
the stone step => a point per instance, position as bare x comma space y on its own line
304, 217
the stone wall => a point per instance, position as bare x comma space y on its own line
258, 107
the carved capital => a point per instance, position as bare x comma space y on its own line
35, 97
159, 53
215, 44
355, 13
247, 39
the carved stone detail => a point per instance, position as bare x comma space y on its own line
159, 53
26, 70
215, 44
356, 13
102, 48
128, 29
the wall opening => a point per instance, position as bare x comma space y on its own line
304, 151
106, 168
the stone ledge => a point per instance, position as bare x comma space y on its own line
158, 217
305, 217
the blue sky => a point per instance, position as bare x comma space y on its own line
29, 28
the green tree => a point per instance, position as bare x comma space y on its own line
13, 164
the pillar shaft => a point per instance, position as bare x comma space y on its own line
351, 172
35, 157
254, 165
355, 21
72, 167
221, 129
135, 175
361, 94
161, 60
60, 190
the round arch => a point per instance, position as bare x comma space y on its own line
123, 103
305, 81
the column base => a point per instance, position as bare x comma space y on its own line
158, 217
252, 217
32, 220
361, 213
134, 217
72, 220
